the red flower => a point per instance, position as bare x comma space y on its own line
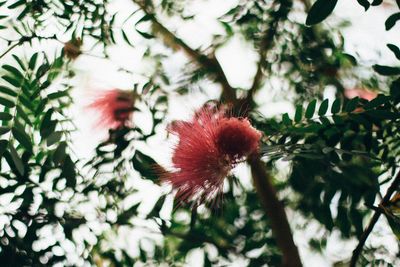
115, 108
209, 147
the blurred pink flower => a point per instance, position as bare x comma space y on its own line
361, 93
209, 147
114, 108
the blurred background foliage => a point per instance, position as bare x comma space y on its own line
341, 153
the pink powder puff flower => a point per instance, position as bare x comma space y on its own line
361, 93
114, 108
209, 147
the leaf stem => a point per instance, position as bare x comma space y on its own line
357, 251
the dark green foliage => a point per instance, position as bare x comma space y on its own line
391, 21
242, 228
145, 165
365, 4
395, 50
336, 155
22, 115
320, 10
386, 70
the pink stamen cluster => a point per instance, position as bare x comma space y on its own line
209, 147
114, 107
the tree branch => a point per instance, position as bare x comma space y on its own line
261, 178
275, 212
357, 251
208, 62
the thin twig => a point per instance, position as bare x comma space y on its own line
11, 47
25, 39
208, 62
357, 251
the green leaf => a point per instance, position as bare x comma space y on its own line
320, 10
391, 21
338, 120
14, 71
376, 2
4, 116
13, 81
145, 34
157, 207
395, 50
364, 3
32, 61
7, 103
8, 91
145, 18
310, 109
55, 69
58, 94
145, 165
60, 153
352, 104
376, 102
395, 89
68, 171
23, 115
42, 70
24, 139
336, 106
19, 61
323, 108
16, 161
325, 121
126, 215
17, 4
386, 70
54, 138
3, 147
4, 130
286, 120
227, 27
299, 113
126, 38
47, 126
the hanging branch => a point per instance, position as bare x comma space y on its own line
208, 62
385, 201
